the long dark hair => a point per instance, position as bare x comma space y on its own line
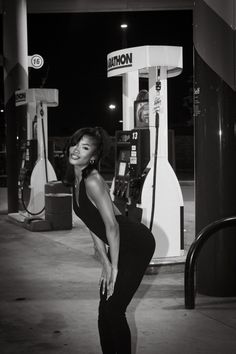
102, 142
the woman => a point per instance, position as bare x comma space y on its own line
130, 245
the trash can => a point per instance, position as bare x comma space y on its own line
58, 205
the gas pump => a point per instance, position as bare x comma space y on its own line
151, 185
132, 156
121, 180
140, 156
35, 168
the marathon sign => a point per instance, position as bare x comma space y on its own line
20, 97
36, 95
126, 60
120, 61
140, 59
123, 61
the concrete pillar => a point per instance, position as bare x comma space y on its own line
130, 85
215, 141
15, 53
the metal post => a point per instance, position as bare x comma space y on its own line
15, 55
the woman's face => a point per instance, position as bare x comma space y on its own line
83, 152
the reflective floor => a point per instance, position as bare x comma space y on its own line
49, 298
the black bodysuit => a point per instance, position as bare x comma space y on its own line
137, 246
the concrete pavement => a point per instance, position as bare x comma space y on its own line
49, 298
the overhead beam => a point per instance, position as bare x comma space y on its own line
70, 6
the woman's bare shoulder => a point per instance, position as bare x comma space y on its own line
95, 182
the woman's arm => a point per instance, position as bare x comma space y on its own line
100, 247
98, 194
106, 265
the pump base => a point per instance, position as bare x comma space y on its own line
166, 265
32, 224
37, 224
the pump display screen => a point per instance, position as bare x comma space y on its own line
124, 155
122, 168
141, 114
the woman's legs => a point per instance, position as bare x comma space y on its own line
113, 327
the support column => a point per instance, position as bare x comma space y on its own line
15, 53
215, 141
130, 85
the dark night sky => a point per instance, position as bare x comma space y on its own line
74, 48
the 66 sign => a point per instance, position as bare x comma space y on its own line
36, 61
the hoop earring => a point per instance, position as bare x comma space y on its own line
91, 162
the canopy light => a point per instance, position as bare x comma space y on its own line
112, 107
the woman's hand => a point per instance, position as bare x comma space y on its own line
108, 279
105, 276
110, 288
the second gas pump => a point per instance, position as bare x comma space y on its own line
145, 186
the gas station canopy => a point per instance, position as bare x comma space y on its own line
62, 6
